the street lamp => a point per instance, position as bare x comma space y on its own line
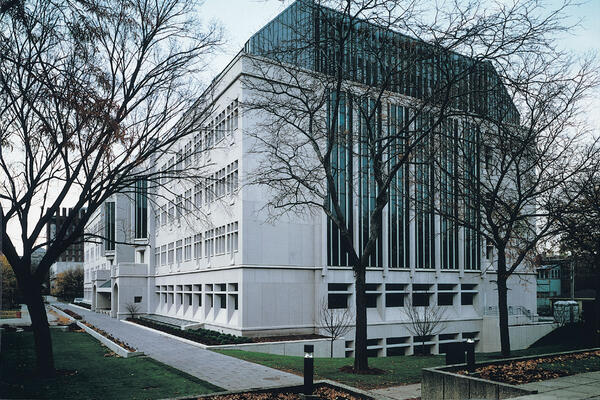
309, 368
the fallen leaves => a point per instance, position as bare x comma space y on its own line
323, 392
532, 370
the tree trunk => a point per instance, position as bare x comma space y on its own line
41, 330
331, 349
361, 361
596, 325
502, 305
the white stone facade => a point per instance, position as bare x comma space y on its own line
248, 276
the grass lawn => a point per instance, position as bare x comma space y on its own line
401, 370
97, 376
573, 366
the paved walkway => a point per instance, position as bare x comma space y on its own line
227, 372
400, 392
580, 386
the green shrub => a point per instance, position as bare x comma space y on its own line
204, 336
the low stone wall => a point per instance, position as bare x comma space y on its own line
109, 343
521, 336
291, 347
437, 384
443, 383
283, 348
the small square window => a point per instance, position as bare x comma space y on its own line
137, 299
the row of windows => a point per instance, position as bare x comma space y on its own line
217, 296
553, 273
420, 234
376, 56
216, 241
396, 294
221, 183
213, 133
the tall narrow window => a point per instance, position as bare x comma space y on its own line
179, 251
198, 246
187, 254
163, 254
109, 225
141, 209
171, 253
188, 201
208, 242
198, 196
232, 237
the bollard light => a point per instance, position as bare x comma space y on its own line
309, 351
470, 355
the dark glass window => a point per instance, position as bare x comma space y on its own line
109, 225
141, 209
421, 299
336, 301
466, 299
394, 300
372, 300
445, 299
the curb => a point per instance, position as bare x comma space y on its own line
121, 351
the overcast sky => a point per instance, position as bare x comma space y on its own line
242, 18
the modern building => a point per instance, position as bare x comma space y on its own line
550, 285
72, 257
565, 278
208, 252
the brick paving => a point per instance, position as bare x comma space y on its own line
224, 371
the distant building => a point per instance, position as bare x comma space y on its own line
561, 278
72, 257
549, 285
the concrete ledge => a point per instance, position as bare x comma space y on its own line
81, 308
437, 384
121, 351
444, 383
288, 347
184, 340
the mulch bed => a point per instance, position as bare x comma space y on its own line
110, 337
526, 371
70, 313
324, 392
211, 338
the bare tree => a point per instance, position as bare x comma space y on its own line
90, 95
578, 213
352, 110
132, 309
505, 183
424, 321
336, 322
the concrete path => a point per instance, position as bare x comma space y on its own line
227, 372
400, 392
580, 386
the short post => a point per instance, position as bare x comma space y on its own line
470, 347
309, 368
